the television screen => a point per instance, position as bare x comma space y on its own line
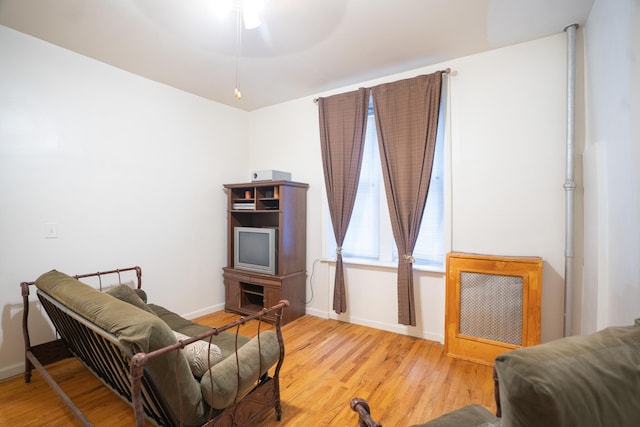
255, 249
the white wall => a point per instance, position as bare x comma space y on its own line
509, 158
129, 169
611, 290
507, 172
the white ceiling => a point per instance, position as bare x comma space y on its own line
303, 48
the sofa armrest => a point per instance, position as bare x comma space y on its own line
219, 385
468, 416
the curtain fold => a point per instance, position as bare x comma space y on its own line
343, 123
406, 114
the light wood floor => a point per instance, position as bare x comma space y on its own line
405, 380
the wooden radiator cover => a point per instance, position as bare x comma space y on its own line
492, 305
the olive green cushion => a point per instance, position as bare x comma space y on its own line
220, 385
467, 416
130, 284
136, 329
591, 380
141, 294
127, 294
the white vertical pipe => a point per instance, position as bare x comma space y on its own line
570, 184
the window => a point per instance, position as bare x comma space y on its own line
369, 237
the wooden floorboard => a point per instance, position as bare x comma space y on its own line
406, 381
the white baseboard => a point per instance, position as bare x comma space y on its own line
389, 327
7, 372
317, 313
203, 311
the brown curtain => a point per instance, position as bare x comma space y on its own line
343, 123
406, 114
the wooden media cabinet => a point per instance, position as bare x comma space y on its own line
279, 205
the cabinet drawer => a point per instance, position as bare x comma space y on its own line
248, 277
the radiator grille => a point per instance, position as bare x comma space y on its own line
491, 307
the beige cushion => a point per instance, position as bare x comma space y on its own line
220, 384
584, 381
200, 354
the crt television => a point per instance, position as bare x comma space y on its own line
255, 249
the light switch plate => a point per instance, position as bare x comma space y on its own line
51, 230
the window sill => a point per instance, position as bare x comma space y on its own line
381, 264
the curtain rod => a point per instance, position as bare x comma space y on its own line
445, 71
